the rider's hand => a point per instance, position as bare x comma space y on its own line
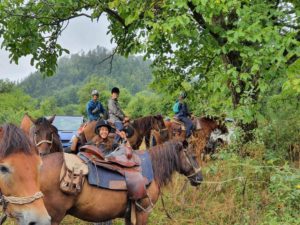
81, 129
122, 134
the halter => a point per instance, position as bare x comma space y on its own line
43, 141
196, 170
4, 200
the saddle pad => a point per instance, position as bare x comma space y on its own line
73, 162
104, 178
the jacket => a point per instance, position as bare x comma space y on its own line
94, 109
183, 110
115, 113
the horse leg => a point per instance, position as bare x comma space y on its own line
142, 218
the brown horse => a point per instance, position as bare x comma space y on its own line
97, 204
204, 127
20, 193
42, 133
142, 128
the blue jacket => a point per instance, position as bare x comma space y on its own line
94, 109
183, 110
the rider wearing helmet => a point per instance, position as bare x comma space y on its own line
183, 114
94, 107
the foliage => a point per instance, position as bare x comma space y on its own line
231, 50
13, 104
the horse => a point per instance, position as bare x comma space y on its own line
142, 128
20, 193
204, 126
98, 204
43, 134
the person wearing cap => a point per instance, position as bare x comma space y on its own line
115, 113
184, 115
94, 107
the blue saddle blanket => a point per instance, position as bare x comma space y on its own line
105, 178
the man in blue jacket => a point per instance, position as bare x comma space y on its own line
183, 114
94, 108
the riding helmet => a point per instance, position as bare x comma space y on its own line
95, 92
183, 94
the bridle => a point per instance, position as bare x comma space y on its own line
196, 170
5, 200
43, 141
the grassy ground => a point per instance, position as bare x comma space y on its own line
236, 191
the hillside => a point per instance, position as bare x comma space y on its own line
73, 72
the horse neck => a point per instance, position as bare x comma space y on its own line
56, 145
208, 127
143, 125
165, 162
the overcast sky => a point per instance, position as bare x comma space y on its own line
80, 35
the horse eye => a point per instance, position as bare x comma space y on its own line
4, 169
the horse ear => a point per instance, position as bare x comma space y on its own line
32, 120
51, 119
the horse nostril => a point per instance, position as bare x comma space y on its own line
32, 223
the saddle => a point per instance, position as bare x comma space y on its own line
72, 174
125, 164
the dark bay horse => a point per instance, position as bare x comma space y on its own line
142, 128
43, 134
20, 193
96, 204
204, 127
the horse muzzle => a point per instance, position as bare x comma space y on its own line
31, 217
196, 179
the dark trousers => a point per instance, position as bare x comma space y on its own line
119, 126
188, 125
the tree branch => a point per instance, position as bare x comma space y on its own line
200, 20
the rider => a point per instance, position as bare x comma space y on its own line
94, 107
116, 115
101, 140
183, 114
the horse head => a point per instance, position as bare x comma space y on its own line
175, 156
45, 136
189, 165
21, 197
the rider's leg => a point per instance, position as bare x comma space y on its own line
188, 125
119, 126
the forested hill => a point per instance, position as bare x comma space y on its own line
73, 72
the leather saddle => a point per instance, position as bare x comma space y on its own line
126, 164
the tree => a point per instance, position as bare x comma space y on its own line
233, 49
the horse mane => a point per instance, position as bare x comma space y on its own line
14, 140
143, 124
165, 160
220, 122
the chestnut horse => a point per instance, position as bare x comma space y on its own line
20, 193
97, 204
42, 133
204, 127
142, 128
